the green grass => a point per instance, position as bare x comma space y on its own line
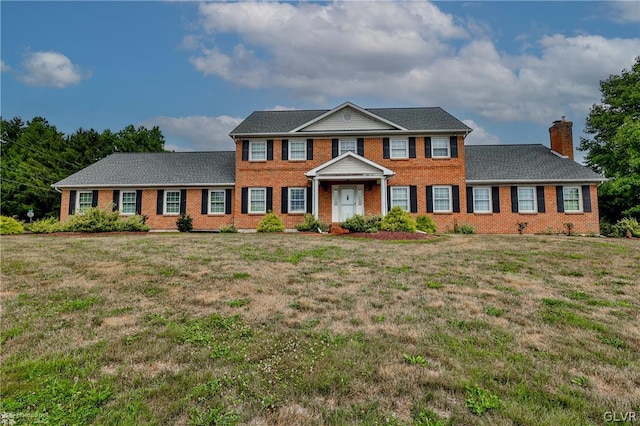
291, 329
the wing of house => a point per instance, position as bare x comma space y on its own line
345, 161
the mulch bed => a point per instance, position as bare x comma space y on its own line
387, 235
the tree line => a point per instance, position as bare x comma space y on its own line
35, 155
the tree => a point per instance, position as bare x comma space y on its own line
614, 149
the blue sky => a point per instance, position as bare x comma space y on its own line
507, 69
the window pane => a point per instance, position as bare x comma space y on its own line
217, 202
258, 151
128, 204
173, 202
258, 203
400, 197
297, 150
296, 200
441, 200
481, 200
346, 146
399, 149
571, 199
439, 147
526, 199
85, 200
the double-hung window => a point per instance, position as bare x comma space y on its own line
571, 195
172, 202
257, 151
482, 200
297, 150
257, 200
216, 201
399, 148
442, 199
527, 199
127, 202
440, 147
400, 197
297, 200
85, 201
347, 145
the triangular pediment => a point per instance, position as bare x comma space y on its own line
347, 117
349, 164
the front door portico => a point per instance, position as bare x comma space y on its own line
347, 201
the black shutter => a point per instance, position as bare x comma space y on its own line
429, 199
427, 147
453, 145
514, 199
309, 199
385, 148
160, 201
284, 200
586, 199
183, 201
116, 200
72, 202
139, 201
334, 148
227, 201
204, 207
245, 200
495, 198
245, 150
270, 149
269, 199
309, 149
388, 198
360, 147
469, 199
540, 193
413, 198
560, 198
412, 147
285, 149
94, 198
455, 194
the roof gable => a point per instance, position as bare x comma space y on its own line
347, 116
349, 163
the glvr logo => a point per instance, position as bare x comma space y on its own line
618, 416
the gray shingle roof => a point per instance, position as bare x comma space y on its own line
521, 163
274, 122
156, 169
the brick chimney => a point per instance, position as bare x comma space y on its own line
561, 136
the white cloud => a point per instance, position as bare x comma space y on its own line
479, 136
51, 69
199, 132
4, 67
403, 51
625, 12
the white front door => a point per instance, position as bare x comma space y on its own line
347, 203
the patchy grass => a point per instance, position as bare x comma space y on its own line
297, 329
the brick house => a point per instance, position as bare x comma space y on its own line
345, 161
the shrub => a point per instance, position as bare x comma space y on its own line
627, 227
426, 224
9, 226
466, 229
358, 223
184, 223
271, 223
398, 220
228, 229
97, 220
133, 224
48, 225
311, 223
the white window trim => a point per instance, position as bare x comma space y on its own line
448, 188
304, 152
224, 202
564, 199
164, 206
304, 208
135, 201
406, 149
488, 189
249, 199
433, 147
535, 200
78, 201
355, 146
251, 144
393, 199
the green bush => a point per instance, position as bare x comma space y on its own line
133, 224
466, 229
47, 225
311, 223
97, 220
358, 223
627, 227
228, 229
426, 224
271, 223
9, 226
184, 223
398, 220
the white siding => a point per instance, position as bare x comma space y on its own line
337, 121
349, 166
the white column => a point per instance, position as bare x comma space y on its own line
383, 195
314, 192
